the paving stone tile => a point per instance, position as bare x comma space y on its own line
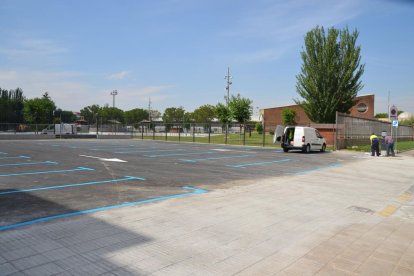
329, 270
43, 270
402, 271
373, 266
58, 254
303, 266
7, 269
31, 261
344, 264
17, 254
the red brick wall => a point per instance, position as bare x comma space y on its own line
273, 116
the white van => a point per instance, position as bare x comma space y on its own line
60, 129
299, 138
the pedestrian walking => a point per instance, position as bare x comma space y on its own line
389, 143
374, 144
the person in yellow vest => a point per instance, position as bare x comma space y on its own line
374, 144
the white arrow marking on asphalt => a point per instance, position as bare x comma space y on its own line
104, 159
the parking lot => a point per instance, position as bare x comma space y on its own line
128, 207
48, 180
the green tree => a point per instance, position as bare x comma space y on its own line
173, 115
111, 115
381, 115
204, 114
259, 128
407, 122
240, 109
289, 117
63, 116
11, 106
90, 113
135, 115
223, 113
39, 110
330, 75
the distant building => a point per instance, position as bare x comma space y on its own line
363, 108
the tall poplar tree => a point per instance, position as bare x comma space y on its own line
330, 75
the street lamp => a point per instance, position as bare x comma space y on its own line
114, 93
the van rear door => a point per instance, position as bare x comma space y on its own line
277, 138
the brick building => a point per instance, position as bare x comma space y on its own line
363, 108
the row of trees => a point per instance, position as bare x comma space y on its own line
15, 108
238, 109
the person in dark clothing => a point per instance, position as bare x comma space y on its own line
374, 145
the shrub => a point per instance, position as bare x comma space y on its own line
259, 128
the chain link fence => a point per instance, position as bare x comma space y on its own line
214, 133
347, 132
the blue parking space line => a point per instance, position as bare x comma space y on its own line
46, 172
195, 191
212, 158
144, 151
116, 148
180, 154
29, 163
313, 170
16, 157
259, 163
126, 178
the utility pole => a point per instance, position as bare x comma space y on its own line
228, 78
114, 93
149, 109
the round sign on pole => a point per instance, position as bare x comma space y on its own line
393, 113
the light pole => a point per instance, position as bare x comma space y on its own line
114, 93
228, 78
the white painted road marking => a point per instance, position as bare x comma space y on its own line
104, 159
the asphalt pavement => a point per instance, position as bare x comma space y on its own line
76, 207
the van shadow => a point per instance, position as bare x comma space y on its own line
75, 244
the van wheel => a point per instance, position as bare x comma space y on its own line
285, 150
307, 149
323, 148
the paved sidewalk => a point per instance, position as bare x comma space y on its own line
356, 219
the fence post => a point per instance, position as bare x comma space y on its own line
264, 133
166, 133
193, 133
336, 132
209, 132
244, 134
227, 131
179, 133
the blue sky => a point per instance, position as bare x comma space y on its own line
176, 52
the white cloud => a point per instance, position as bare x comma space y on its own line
69, 92
279, 26
8, 75
119, 75
32, 47
129, 98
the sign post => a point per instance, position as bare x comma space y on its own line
393, 116
395, 124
